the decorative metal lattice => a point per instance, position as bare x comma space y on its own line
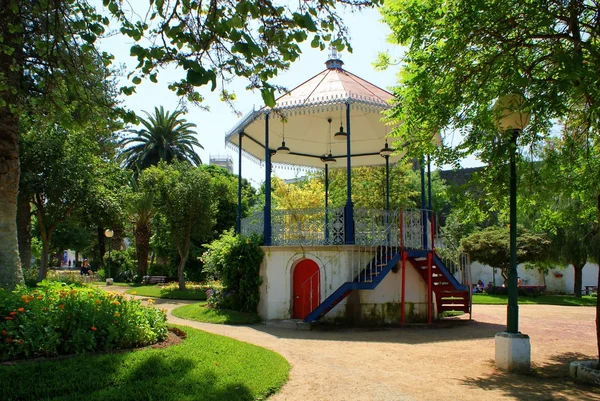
376, 227
307, 227
334, 230
412, 228
253, 224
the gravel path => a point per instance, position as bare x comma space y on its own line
452, 362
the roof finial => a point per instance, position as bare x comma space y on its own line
335, 59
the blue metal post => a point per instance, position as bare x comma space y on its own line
429, 199
423, 204
238, 223
349, 209
267, 210
387, 183
327, 204
387, 197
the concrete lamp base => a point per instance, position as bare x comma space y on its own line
513, 352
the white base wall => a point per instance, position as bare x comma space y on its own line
337, 265
559, 285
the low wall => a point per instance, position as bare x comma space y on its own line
337, 265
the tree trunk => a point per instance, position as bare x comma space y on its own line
45, 256
180, 276
10, 265
24, 229
578, 280
183, 253
142, 247
101, 246
117, 240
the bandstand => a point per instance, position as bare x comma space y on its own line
345, 264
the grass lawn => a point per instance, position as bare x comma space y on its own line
204, 314
203, 367
162, 292
564, 300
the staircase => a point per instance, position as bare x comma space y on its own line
367, 279
450, 295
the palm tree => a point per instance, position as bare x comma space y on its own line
165, 137
141, 212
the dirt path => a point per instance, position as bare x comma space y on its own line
442, 363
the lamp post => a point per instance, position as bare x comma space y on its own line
108, 233
513, 351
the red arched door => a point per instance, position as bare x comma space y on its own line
306, 295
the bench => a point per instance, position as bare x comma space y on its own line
593, 288
154, 279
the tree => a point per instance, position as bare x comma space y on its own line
187, 202
64, 172
368, 186
44, 43
462, 56
491, 247
165, 137
141, 212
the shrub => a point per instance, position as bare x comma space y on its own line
235, 261
59, 319
523, 291
30, 276
123, 264
157, 269
67, 276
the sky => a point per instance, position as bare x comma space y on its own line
368, 37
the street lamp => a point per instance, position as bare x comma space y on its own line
513, 351
108, 233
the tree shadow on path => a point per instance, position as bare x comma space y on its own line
546, 382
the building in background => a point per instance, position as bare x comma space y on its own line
225, 161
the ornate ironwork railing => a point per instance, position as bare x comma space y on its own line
317, 226
253, 224
411, 228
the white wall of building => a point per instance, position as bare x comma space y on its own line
559, 285
337, 265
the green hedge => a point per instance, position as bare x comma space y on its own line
235, 261
58, 319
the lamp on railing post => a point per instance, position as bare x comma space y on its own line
513, 350
108, 233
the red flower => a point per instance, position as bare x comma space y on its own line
8, 318
4, 333
93, 328
12, 313
61, 306
21, 309
8, 340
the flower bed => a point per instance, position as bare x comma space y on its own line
58, 319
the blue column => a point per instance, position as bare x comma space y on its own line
429, 201
238, 223
423, 204
387, 183
349, 209
429, 198
267, 210
327, 204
